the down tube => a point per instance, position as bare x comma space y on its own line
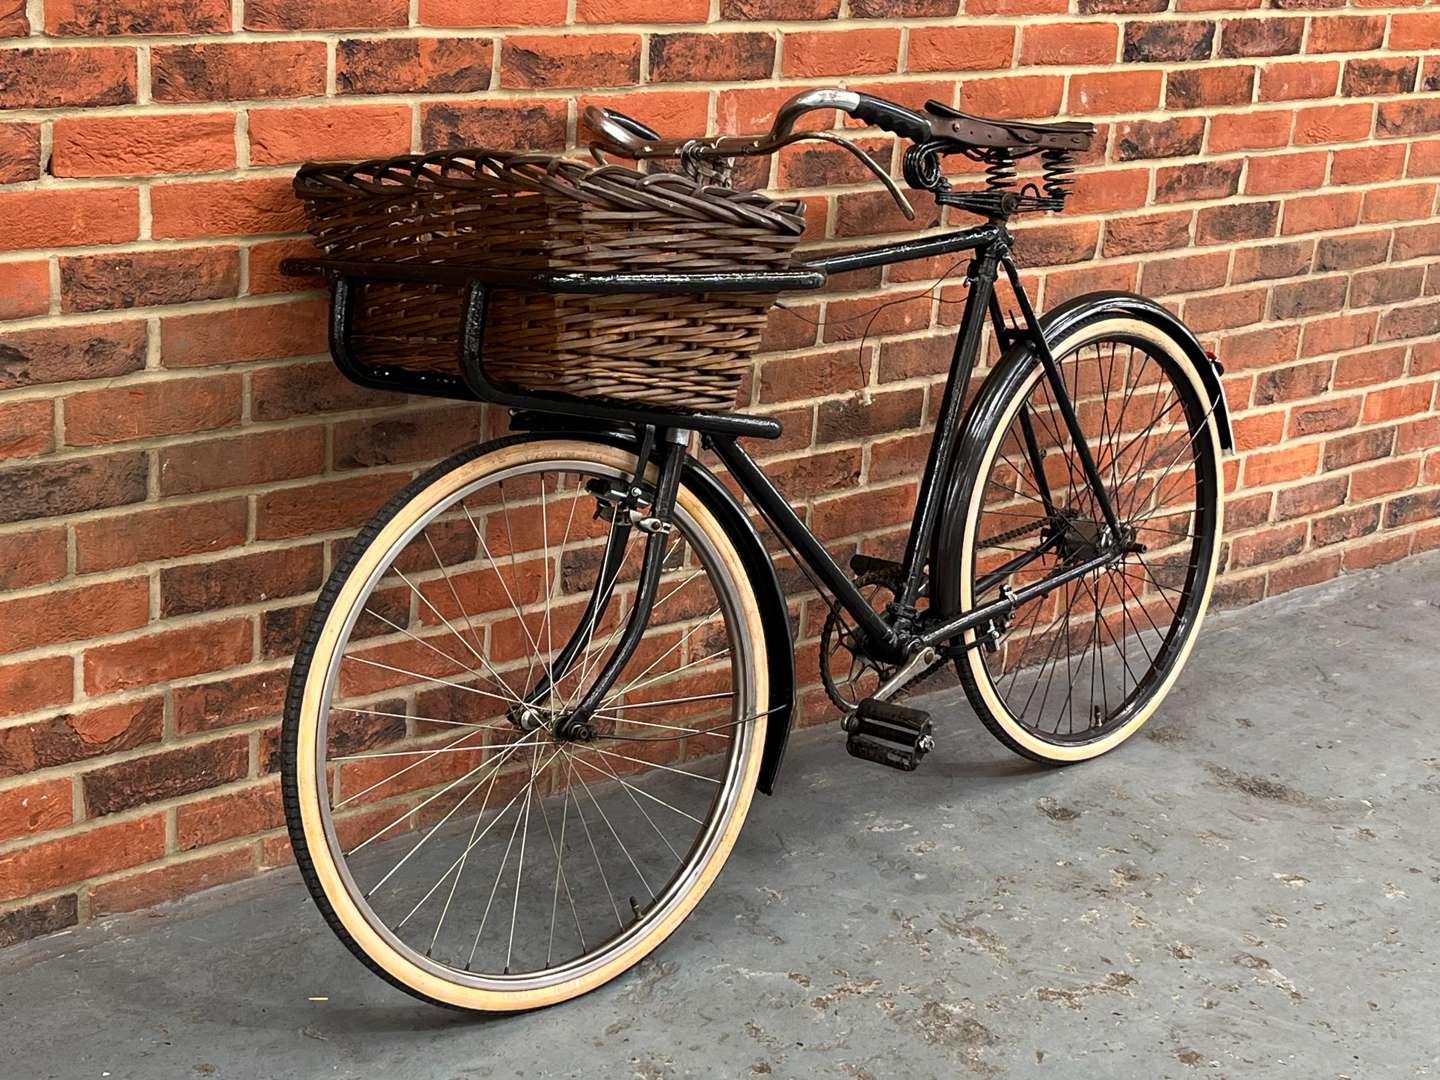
783, 520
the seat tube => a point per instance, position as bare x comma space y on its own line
929, 502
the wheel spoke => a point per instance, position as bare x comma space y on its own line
1027, 638
655, 765
546, 623
489, 724
1138, 635
425, 825
494, 764
495, 569
454, 595
1124, 657
401, 772
428, 753
1145, 466
1100, 655
645, 813
560, 879
1159, 589
460, 607
509, 694
585, 669
636, 682
1061, 642
1050, 652
460, 859
426, 678
632, 705
464, 858
582, 659
520, 863
1068, 705
599, 863
637, 790
606, 818
499, 874
644, 723
605, 703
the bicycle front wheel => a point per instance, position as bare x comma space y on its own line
1080, 668
452, 839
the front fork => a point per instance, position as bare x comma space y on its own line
634, 506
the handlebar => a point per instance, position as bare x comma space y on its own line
896, 119
623, 135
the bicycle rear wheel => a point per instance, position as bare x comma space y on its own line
487, 864
1078, 670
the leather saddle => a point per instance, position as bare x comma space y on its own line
948, 123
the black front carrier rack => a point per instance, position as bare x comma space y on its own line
472, 383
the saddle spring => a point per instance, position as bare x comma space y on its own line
1003, 192
1057, 173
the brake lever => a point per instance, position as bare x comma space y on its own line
624, 135
870, 163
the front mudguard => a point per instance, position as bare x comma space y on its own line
1017, 362
774, 615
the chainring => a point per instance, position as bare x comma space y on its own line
838, 636
838, 625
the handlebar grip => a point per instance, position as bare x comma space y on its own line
888, 116
635, 127
624, 132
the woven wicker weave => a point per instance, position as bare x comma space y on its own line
531, 212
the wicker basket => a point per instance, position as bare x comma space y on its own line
531, 212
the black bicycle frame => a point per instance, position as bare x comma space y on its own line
900, 631
895, 637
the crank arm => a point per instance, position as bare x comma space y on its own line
921, 660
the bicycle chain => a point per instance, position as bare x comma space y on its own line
1013, 534
990, 541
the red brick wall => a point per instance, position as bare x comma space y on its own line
180, 461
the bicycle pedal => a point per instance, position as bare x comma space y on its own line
888, 734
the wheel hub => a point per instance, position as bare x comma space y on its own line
563, 726
1083, 537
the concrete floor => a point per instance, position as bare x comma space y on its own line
1249, 888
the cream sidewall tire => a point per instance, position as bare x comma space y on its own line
397, 965
1013, 729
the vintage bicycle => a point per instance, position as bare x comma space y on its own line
541, 686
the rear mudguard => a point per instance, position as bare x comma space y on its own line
1018, 360
774, 616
